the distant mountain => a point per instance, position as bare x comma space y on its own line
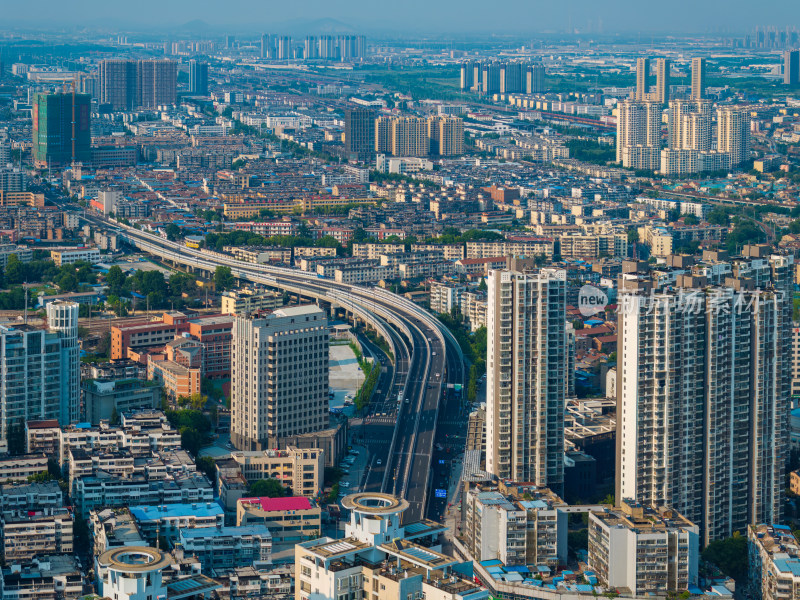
195, 25
315, 26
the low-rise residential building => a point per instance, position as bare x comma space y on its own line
169, 519
84, 464
364, 272
228, 547
104, 399
103, 489
379, 558
643, 550
276, 581
448, 251
774, 562
114, 528
68, 256
312, 251
528, 247
238, 302
141, 433
178, 381
416, 270
42, 437
291, 520
479, 266
516, 531
19, 468
445, 296
301, 469
30, 496
44, 577
372, 251
90, 439
794, 482
473, 307
31, 533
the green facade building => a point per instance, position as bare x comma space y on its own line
53, 129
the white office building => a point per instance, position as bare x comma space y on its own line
279, 382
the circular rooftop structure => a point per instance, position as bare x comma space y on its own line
134, 559
374, 503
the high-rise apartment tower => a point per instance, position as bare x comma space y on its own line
526, 359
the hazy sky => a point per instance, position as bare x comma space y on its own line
517, 16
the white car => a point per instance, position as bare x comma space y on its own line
379, 462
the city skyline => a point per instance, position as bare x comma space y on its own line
457, 302
575, 16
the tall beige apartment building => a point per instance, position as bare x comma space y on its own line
689, 125
642, 78
446, 135
526, 381
703, 391
410, 136
279, 381
639, 134
660, 93
733, 133
383, 135
698, 78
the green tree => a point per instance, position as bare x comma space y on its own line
15, 270
197, 401
80, 529
472, 385
103, 348
690, 220
745, 232
173, 232
207, 466
270, 488
42, 477
68, 283
223, 278
730, 555
577, 540
718, 216
192, 440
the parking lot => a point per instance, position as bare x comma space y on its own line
354, 466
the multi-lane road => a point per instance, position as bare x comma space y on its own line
426, 356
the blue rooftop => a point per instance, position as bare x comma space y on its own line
791, 565
162, 511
